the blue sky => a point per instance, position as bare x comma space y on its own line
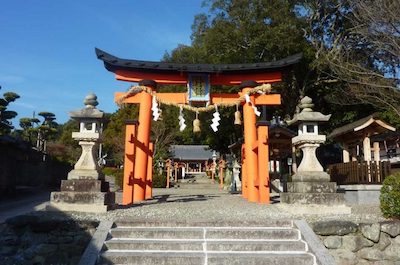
47, 47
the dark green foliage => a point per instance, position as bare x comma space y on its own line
159, 180
7, 115
390, 196
114, 133
64, 148
117, 173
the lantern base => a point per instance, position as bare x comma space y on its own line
311, 176
85, 174
82, 195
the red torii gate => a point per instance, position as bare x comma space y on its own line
137, 183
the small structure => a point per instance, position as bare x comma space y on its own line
85, 190
359, 132
361, 164
194, 157
310, 184
363, 169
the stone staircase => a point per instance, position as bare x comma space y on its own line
275, 242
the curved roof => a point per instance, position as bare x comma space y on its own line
370, 124
113, 63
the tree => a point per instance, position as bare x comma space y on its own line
65, 148
46, 130
28, 128
238, 31
359, 42
114, 133
7, 115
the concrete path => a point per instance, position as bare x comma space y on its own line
200, 202
32, 201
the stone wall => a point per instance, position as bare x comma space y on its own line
20, 165
364, 244
44, 239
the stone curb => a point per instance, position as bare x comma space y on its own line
314, 243
92, 251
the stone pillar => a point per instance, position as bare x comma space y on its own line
149, 177
346, 153
143, 137
294, 160
250, 137
244, 173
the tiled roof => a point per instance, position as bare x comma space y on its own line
191, 152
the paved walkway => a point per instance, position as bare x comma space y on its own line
195, 202
32, 200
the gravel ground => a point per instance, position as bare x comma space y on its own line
205, 203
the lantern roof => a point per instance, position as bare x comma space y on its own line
307, 113
89, 111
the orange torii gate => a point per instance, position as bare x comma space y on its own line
137, 183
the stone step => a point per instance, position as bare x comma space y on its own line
313, 198
208, 233
312, 187
84, 185
211, 245
202, 224
270, 258
197, 186
199, 257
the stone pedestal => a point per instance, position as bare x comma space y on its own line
83, 195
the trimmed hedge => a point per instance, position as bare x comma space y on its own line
159, 180
390, 196
117, 173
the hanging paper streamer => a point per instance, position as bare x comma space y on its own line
247, 99
155, 109
215, 120
181, 119
196, 124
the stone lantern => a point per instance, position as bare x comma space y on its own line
89, 136
310, 184
85, 189
308, 140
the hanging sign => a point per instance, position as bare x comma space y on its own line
199, 87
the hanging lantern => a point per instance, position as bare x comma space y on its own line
238, 116
196, 124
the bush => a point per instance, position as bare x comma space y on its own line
159, 180
390, 196
117, 173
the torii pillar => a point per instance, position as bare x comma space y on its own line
250, 138
142, 146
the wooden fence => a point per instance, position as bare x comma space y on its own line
359, 172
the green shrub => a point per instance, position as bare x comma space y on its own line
159, 180
390, 196
117, 173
